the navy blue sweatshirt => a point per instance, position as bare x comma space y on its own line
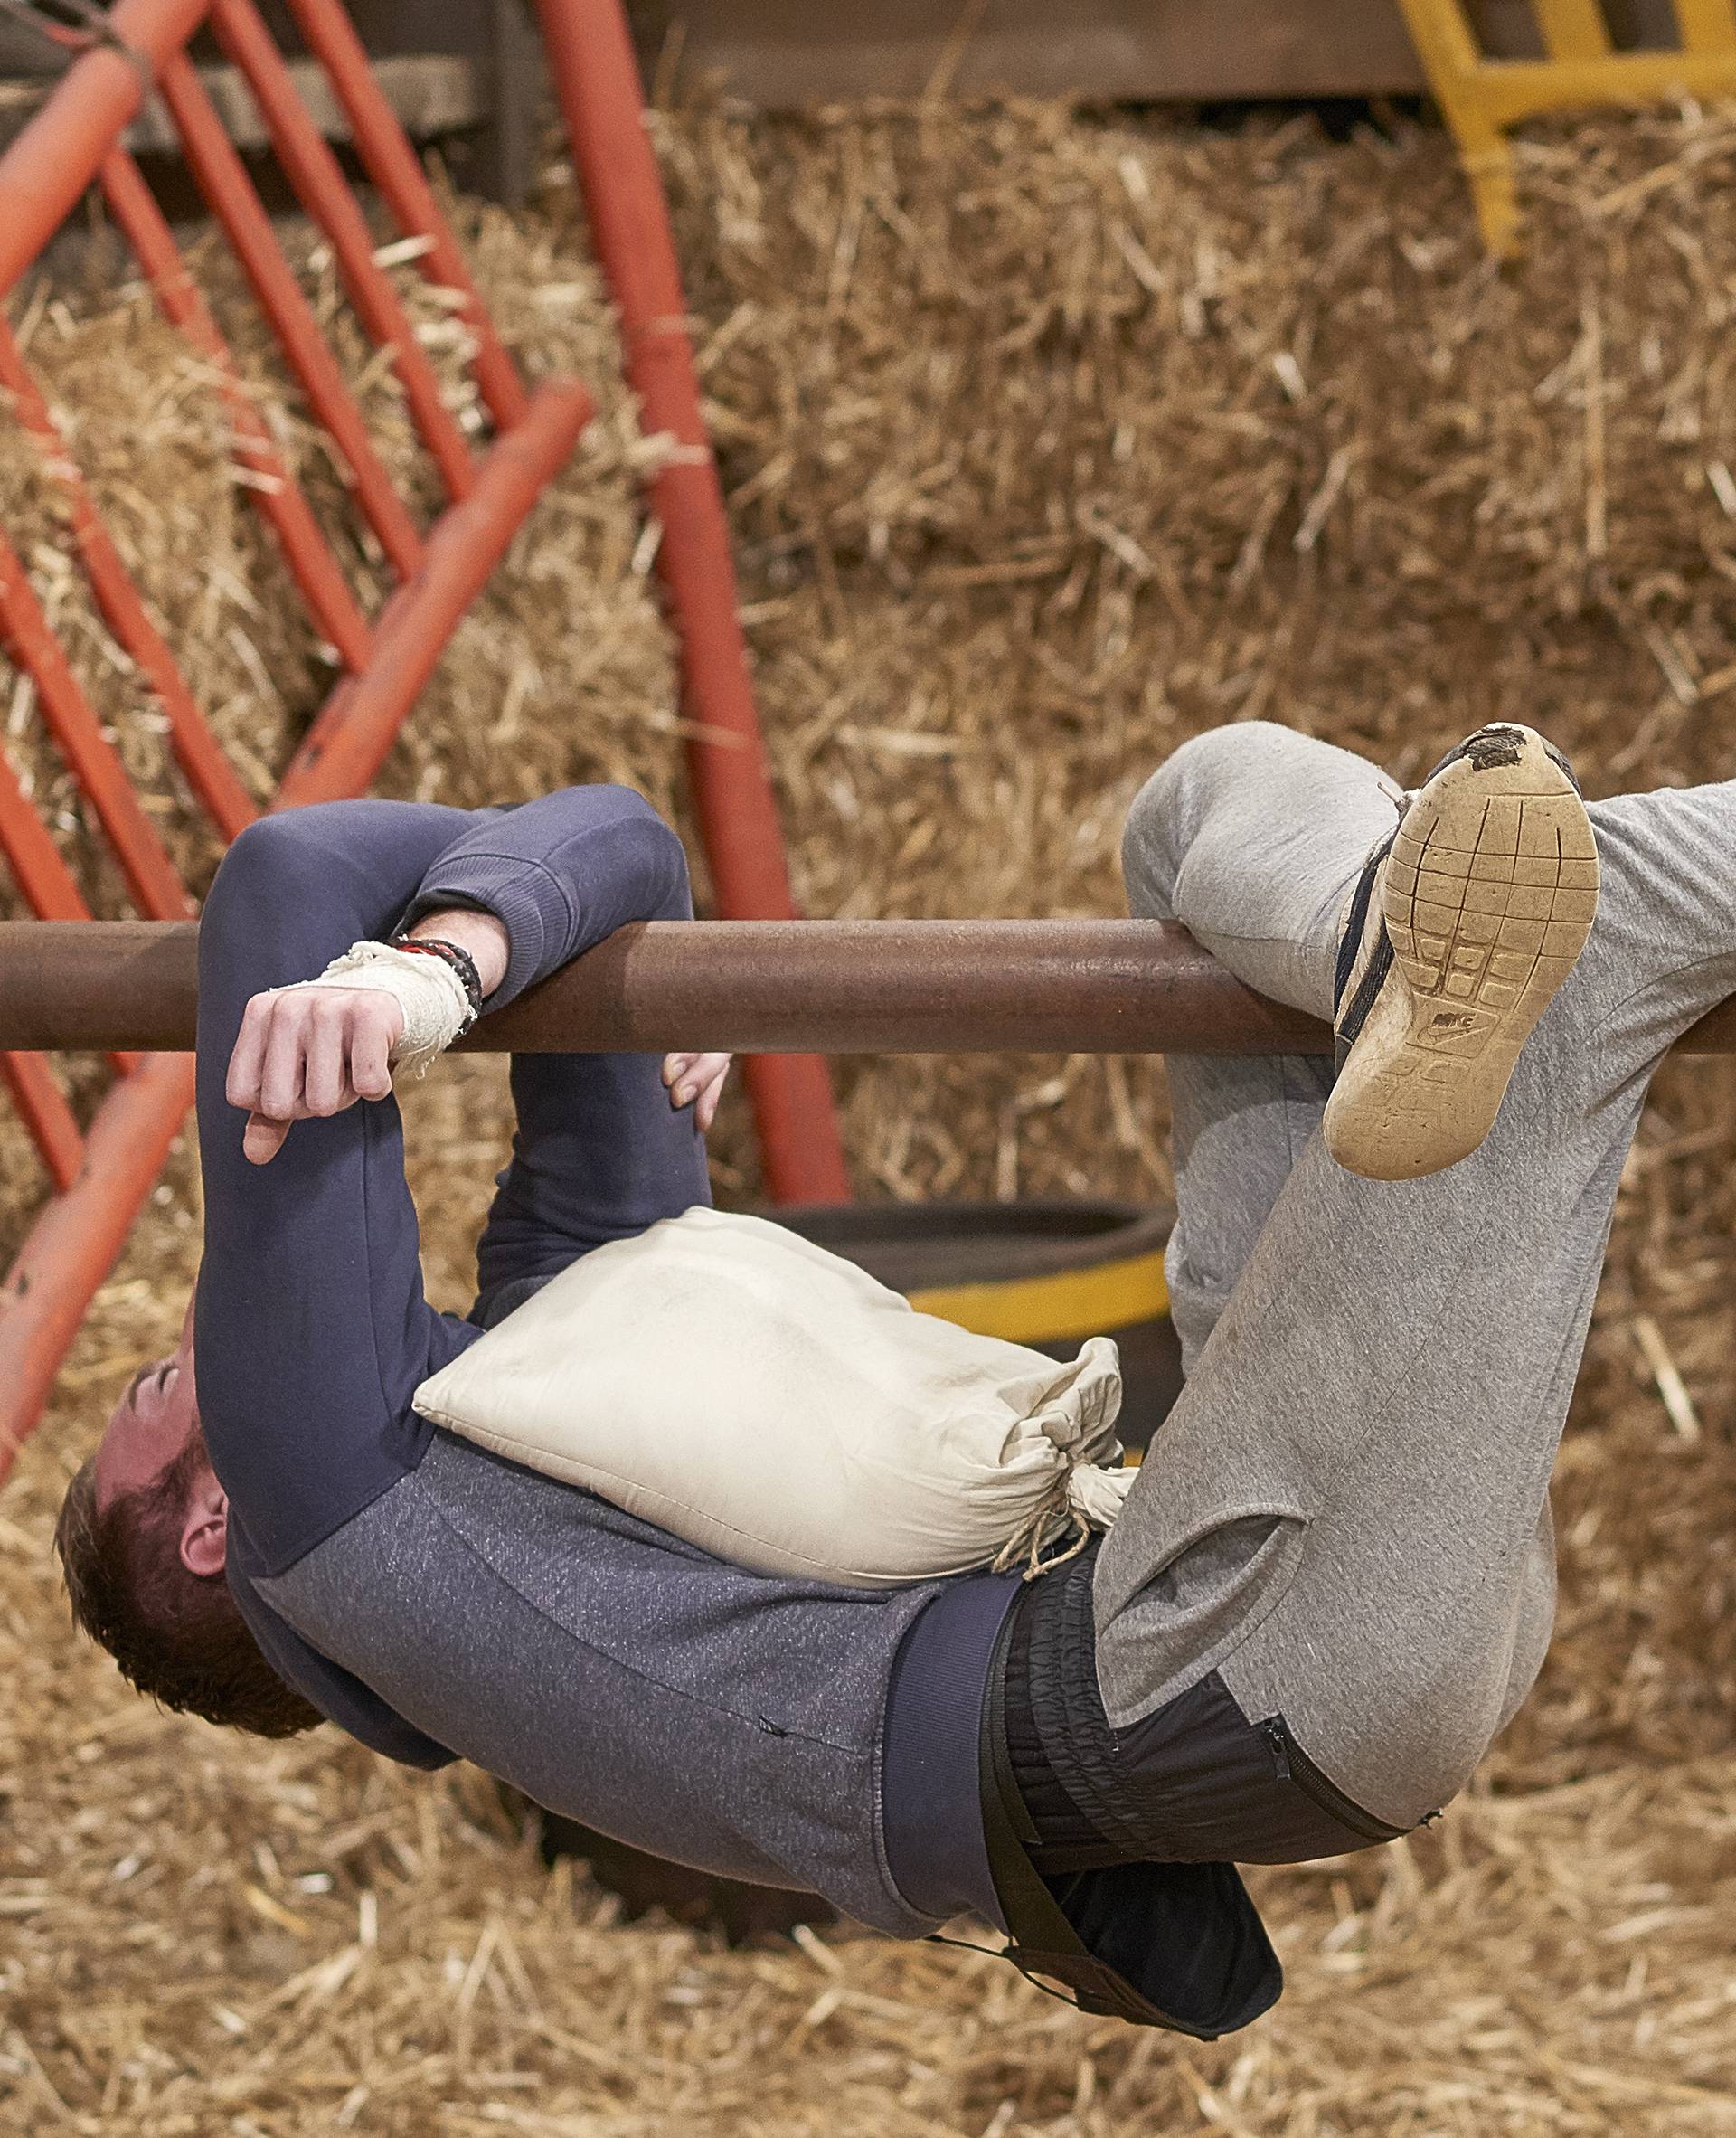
312, 1335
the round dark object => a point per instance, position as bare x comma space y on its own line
1046, 1274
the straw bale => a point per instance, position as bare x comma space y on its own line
1051, 437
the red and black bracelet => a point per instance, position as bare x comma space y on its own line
459, 959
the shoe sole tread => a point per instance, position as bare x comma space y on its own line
1488, 897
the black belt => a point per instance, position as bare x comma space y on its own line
1045, 1947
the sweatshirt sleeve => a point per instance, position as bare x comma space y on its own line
312, 1332
598, 1151
561, 873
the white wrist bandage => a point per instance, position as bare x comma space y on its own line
430, 993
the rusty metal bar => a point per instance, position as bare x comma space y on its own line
840, 986
847, 987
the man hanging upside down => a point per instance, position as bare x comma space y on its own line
1331, 1582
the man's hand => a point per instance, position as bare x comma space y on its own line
696, 1080
305, 1053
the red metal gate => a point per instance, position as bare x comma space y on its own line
101, 1174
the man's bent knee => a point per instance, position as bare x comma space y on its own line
1168, 809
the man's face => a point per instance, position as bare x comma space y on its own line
151, 1424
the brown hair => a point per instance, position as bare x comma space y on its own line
175, 1634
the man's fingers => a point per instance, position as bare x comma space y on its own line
371, 1058
261, 1140
696, 1080
280, 1073
248, 1059
308, 1050
324, 1082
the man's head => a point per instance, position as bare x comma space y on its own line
144, 1535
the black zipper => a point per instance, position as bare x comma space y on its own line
1293, 1764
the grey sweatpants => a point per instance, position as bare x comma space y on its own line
1347, 1514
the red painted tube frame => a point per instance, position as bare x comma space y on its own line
37, 865
74, 1242
319, 185
56, 154
43, 875
105, 1174
277, 495
345, 745
597, 77
390, 162
211, 776
222, 178
42, 1105
71, 720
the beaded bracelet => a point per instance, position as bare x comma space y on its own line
459, 959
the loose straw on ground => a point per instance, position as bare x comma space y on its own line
1052, 438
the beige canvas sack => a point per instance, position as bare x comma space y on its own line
769, 1402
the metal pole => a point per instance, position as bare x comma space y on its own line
834, 987
596, 75
232, 198
395, 168
59, 153
347, 743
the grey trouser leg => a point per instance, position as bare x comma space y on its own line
1345, 1516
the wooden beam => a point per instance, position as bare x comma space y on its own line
783, 52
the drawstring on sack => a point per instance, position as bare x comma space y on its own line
1028, 1539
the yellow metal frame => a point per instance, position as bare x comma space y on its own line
1481, 98
1056, 1308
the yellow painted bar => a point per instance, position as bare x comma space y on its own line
1707, 25
1057, 1308
1481, 97
1513, 89
1443, 36
1573, 29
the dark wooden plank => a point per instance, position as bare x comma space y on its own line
785, 53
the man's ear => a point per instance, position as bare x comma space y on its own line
204, 1531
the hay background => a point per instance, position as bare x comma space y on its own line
1052, 439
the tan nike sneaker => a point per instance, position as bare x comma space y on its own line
1462, 929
